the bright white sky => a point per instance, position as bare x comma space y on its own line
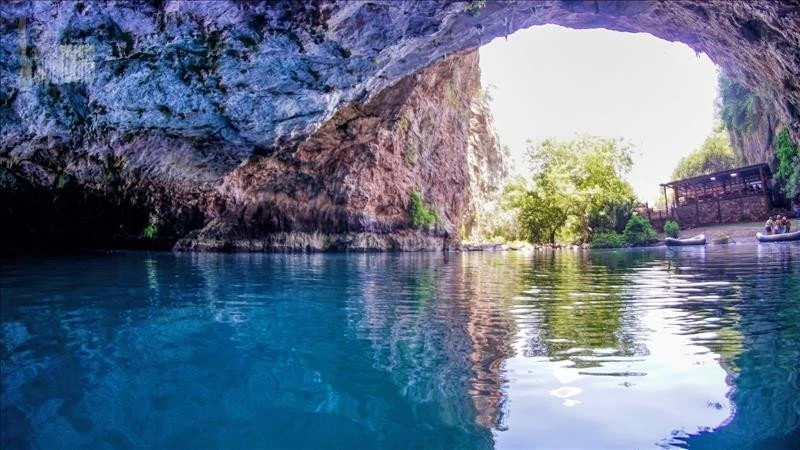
550, 81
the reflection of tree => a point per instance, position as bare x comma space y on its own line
580, 307
622, 260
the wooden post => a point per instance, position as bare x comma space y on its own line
741, 208
675, 194
764, 186
666, 200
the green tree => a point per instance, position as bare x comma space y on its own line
672, 229
608, 239
421, 217
638, 231
577, 188
500, 219
738, 107
788, 171
716, 154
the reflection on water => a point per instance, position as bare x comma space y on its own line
626, 349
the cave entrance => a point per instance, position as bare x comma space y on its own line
555, 82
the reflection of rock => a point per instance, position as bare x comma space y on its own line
766, 389
490, 288
442, 331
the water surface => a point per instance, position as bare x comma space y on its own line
693, 347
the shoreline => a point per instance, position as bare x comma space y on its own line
404, 242
744, 232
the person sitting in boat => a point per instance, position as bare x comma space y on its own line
770, 225
788, 224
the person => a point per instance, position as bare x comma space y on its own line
770, 225
779, 225
788, 224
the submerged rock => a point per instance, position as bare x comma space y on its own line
230, 121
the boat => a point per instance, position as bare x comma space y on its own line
781, 237
700, 239
722, 240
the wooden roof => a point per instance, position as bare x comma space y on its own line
744, 172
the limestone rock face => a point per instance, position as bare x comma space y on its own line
757, 145
238, 119
349, 184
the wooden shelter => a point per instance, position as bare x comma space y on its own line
735, 195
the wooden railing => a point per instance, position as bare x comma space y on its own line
657, 217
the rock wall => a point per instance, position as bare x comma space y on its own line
756, 145
240, 119
752, 122
349, 185
744, 209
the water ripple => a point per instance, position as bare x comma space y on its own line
619, 349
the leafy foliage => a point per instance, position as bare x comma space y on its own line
577, 187
739, 106
498, 220
607, 239
151, 230
788, 171
672, 229
638, 231
412, 153
474, 6
716, 154
421, 217
405, 122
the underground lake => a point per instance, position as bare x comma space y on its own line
633, 348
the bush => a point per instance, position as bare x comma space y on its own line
672, 229
474, 7
638, 231
788, 155
151, 230
421, 217
607, 240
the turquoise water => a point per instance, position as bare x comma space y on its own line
630, 349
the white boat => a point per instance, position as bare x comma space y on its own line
780, 237
700, 239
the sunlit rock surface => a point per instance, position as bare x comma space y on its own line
240, 120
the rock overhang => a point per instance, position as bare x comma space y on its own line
270, 73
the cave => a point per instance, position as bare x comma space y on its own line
242, 125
